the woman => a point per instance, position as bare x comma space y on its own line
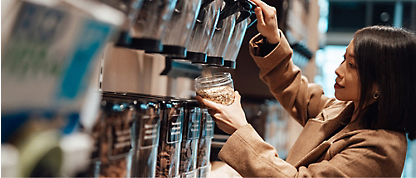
361, 133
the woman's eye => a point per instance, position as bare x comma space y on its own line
351, 65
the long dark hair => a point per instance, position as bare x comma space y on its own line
386, 57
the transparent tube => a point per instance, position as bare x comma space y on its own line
236, 41
180, 26
117, 143
204, 145
190, 137
204, 27
222, 36
153, 18
147, 131
170, 140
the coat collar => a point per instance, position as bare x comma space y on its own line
319, 133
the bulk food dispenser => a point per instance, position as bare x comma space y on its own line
180, 27
237, 37
149, 27
220, 40
190, 136
226, 37
203, 30
204, 144
170, 138
118, 140
147, 136
131, 9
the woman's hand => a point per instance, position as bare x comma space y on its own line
267, 21
228, 118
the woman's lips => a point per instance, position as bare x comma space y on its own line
336, 86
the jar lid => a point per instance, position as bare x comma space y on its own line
218, 78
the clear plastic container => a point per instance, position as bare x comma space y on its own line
118, 141
203, 31
234, 46
220, 40
204, 144
245, 17
217, 87
180, 27
150, 25
96, 132
170, 139
190, 136
147, 135
131, 9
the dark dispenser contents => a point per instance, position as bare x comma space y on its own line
203, 31
150, 25
147, 135
180, 27
204, 144
117, 142
170, 139
190, 136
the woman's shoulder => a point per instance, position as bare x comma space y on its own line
380, 137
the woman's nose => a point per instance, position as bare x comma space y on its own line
337, 72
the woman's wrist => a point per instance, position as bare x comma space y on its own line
272, 41
275, 39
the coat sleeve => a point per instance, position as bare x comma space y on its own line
363, 156
300, 98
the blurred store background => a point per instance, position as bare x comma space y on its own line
87, 85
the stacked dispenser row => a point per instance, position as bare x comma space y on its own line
147, 136
52, 51
203, 32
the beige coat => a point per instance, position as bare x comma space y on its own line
327, 146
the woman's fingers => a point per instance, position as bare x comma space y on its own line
208, 103
267, 11
260, 4
237, 97
259, 15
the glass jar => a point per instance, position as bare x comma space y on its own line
217, 87
204, 144
190, 136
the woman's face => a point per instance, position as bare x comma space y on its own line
347, 86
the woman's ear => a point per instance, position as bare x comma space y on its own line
375, 92
375, 88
